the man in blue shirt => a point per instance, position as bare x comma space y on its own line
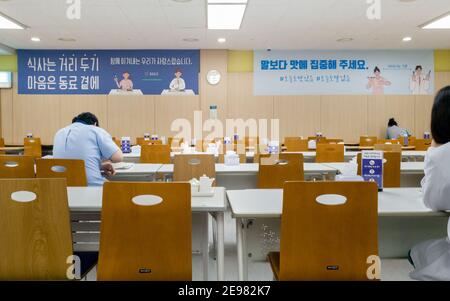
85, 140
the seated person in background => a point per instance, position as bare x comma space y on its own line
85, 140
431, 259
394, 131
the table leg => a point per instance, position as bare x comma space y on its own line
205, 245
220, 249
241, 249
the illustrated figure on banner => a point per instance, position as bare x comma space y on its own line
377, 82
126, 84
420, 83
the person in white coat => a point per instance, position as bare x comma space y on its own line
419, 84
431, 259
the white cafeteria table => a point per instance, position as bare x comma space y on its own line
86, 203
309, 156
396, 204
245, 175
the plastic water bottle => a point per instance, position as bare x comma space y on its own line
427, 135
213, 112
405, 139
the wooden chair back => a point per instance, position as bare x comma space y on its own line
296, 144
251, 142
16, 167
187, 167
330, 141
117, 141
391, 169
342, 239
33, 147
74, 171
2, 144
388, 141
156, 154
422, 144
367, 141
275, 170
145, 241
174, 142
36, 235
388, 147
141, 141
327, 153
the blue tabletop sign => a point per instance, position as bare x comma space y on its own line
110, 72
372, 167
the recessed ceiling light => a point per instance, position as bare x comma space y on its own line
227, 1
67, 40
225, 16
407, 39
344, 40
35, 39
221, 40
190, 40
9, 23
442, 22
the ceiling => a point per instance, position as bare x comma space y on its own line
276, 24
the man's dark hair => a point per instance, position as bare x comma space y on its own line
440, 117
376, 70
86, 118
392, 122
418, 67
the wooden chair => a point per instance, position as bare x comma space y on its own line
2, 144
326, 242
388, 141
367, 141
33, 147
117, 141
141, 241
327, 153
422, 144
391, 169
242, 158
73, 171
296, 144
141, 141
187, 167
388, 147
156, 154
174, 142
251, 142
330, 141
36, 236
16, 167
274, 171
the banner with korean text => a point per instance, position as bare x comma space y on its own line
336, 72
113, 72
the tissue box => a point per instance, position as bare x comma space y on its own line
231, 159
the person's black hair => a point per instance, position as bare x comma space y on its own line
86, 118
419, 67
392, 122
376, 70
440, 117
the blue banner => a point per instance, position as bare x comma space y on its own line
372, 167
112, 72
344, 72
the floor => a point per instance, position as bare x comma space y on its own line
391, 269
